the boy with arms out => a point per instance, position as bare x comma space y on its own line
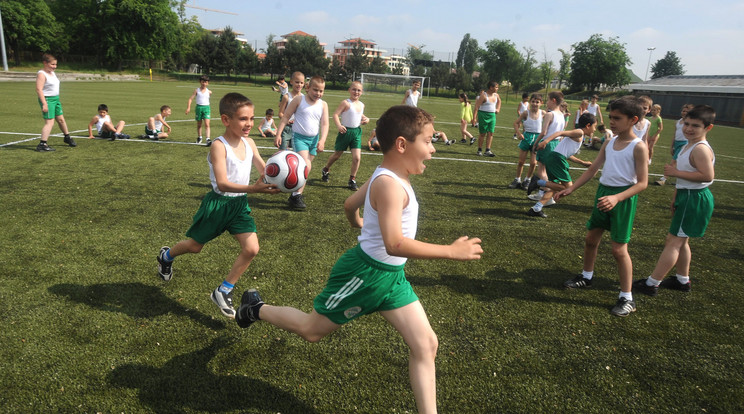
692, 203
370, 277
349, 118
556, 162
412, 95
532, 120
487, 106
624, 163
203, 112
104, 127
553, 121
284, 137
155, 125
679, 138
309, 131
226, 207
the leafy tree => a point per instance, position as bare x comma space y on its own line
418, 60
377, 65
564, 70
247, 60
275, 62
460, 80
357, 61
305, 54
439, 75
524, 71
467, 55
203, 52
667, 66
30, 26
337, 72
225, 55
500, 60
598, 62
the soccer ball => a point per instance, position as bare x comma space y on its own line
286, 170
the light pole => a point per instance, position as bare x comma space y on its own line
650, 51
2, 45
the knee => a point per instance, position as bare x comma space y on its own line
619, 251
194, 247
250, 251
426, 347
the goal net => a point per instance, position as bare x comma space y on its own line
379, 82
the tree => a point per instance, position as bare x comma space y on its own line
467, 55
598, 62
357, 62
247, 60
524, 72
203, 51
337, 72
305, 54
30, 26
377, 65
500, 59
418, 60
460, 80
225, 55
275, 62
439, 75
564, 70
667, 66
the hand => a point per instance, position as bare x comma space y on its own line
563, 193
670, 170
365, 120
466, 248
342, 129
321, 145
607, 203
263, 187
90, 137
587, 163
520, 136
188, 110
45, 108
278, 141
541, 145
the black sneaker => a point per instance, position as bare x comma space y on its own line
526, 184
324, 175
209, 142
463, 141
165, 267
353, 185
479, 152
297, 202
533, 185
144, 136
44, 147
515, 184
224, 302
125, 136
69, 141
641, 286
578, 282
472, 140
250, 304
488, 153
199, 140
623, 307
533, 213
672, 282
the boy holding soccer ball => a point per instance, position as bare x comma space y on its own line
370, 277
225, 208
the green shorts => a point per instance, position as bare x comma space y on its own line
53, 105
359, 285
556, 166
218, 213
351, 139
619, 220
486, 122
149, 131
106, 134
543, 153
528, 141
677, 146
202, 112
692, 212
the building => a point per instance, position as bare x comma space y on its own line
347, 46
725, 93
397, 61
218, 32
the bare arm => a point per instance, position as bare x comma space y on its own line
518, 123
498, 103
702, 159
161, 119
324, 123
343, 106
90, 126
286, 114
586, 176
408, 92
353, 204
640, 156
40, 80
188, 106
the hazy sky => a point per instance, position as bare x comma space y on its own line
708, 36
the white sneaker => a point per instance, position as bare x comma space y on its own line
549, 203
534, 196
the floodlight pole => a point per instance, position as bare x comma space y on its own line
650, 51
2, 44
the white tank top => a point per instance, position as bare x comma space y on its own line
202, 98
158, 124
290, 96
371, 238
592, 108
238, 171
533, 125
487, 105
307, 118
350, 118
265, 124
568, 147
640, 128
678, 134
523, 106
102, 120
412, 97
557, 124
283, 90
683, 164
579, 112
51, 84
619, 167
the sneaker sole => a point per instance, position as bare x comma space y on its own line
222, 310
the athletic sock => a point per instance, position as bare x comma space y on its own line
626, 295
652, 282
587, 275
168, 256
683, 279
541, 193
226, 287
352, 177
538, 206
518, 179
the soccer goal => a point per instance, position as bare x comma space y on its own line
379, 82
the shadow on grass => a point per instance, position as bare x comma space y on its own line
186, 383
530, 285
134, 299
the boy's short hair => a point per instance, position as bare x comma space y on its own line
704, 113
280, 78
401, 121
586, 119
627, 105
601, 128
231, 102
164, 107
103, 107
415, 81
645, 99
688, 106
557, 95
297, 74
316, 80
357, 82
47, 57
536, 96
525, 95
204, 78
491, 84
595, 96
270, 112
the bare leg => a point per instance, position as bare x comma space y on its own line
309, 161
185, 246
311, 327
533, 162
624, 265
62, 124
198, 128
676, 252
356, 160
520, 163
489, 140
208, 130
119, 127
333, 158
248, 250
47, 129
591, 245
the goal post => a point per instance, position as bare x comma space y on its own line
384, 82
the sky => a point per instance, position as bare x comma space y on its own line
708, 36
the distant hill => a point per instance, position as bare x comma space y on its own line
634, 78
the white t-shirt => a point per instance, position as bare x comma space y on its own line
202, 98
307, 117
683, 164
351, 118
